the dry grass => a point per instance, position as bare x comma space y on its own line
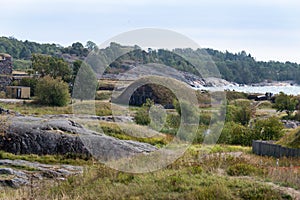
86, 107
291, 139
188, 178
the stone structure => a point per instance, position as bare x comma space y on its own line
136, 95
5, 71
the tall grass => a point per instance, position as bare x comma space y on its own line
190, 177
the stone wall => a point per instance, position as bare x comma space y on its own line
5, 71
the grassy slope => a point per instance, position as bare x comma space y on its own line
101, 108
291, 139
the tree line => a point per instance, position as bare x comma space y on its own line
239, 67
23, 50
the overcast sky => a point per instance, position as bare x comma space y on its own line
268, 29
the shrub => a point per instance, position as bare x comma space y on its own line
142, 115
235, 134
173, 121
195, 169
268, 129
291, 140
241, 169
232, 95
205, 118
53, 92
260, 193
199, 137
103, 95
214, 191
239, 112
189, 113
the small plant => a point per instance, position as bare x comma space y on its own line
124, 178
261, 192
196, 169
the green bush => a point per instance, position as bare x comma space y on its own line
29, 82
239, 112
142, 115
205, 118
241, 169
268, 129
236, 134
173, 121
291, 139
189, 113
195, 169
53, 92
103, 95
211, 192
199, 137
261, 193
233, 95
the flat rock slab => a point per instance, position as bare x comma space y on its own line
51, 136
17, 173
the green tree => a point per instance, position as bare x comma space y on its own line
25, 53
51, 66
91, 46
29, 82
76, 66
53, 92
287, 103
85, 81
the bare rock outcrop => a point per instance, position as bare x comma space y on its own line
17, 173
42, 136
